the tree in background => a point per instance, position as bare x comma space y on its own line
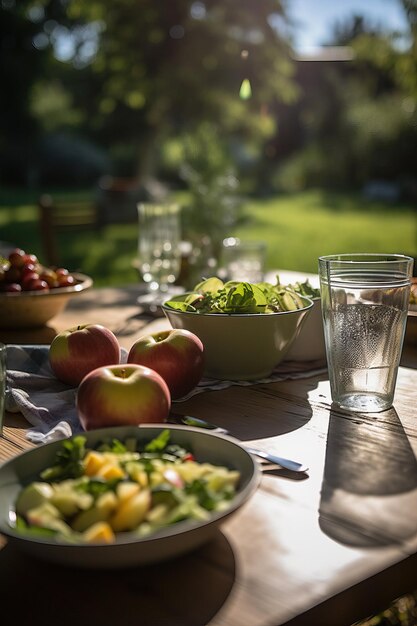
39, 103
384, 113
357, 119
137, 76
21, 65
131, 74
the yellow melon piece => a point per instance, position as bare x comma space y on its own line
131, 512
100, 512
101, 532
157, 513
93, 462
126, 490
107, 502
137, 473
110, 470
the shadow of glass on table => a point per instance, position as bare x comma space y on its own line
370, 476
362, 501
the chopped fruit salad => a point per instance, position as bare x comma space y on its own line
92, 495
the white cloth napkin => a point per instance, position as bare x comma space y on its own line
49, 405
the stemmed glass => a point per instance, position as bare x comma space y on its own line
159, 250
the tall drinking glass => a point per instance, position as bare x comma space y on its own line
159, 249
365, 300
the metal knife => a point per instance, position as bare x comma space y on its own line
189, 420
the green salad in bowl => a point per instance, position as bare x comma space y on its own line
246, 328
212, 295
309, 343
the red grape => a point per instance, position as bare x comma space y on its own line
23, 271
36, 284
61, 271
28, 268
17, 257
66, 281
50, 277
31, 258
12, 275
12, 287
28, 279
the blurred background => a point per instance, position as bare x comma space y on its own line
292, 122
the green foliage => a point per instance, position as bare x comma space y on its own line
360, 116
160, 71
310, 167
141, 73
52, 106
68, 460
214, 201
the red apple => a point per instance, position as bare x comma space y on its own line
120, 395
177, 355
77, 351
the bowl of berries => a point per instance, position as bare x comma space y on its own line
32, 293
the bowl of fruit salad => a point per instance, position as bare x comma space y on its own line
32, 293
246, 328
124, 496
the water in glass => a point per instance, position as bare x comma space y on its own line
364, 305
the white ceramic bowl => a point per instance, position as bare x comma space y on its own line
241, 346
31, 309
128, 549
309, 343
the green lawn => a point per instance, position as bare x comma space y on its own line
297, 228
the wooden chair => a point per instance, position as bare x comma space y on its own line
63, 216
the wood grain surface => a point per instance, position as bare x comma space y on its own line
326, 548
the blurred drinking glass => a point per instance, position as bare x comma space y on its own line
244, 260
159, 249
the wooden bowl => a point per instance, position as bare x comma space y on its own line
31, 309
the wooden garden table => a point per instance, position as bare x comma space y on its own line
326, 548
